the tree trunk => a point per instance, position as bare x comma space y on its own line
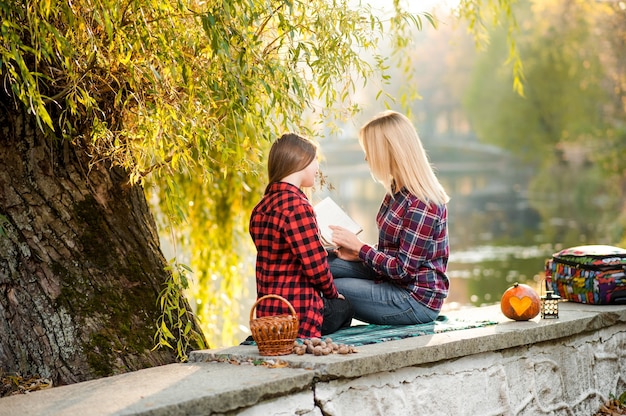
80, 262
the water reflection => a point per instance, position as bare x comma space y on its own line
479, 276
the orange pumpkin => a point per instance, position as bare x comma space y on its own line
520, 302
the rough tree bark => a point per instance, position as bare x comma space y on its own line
80, 262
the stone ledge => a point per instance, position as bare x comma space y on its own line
175, 389
207, 386
388, 356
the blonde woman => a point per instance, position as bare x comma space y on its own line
402, 280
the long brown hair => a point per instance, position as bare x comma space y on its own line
289, 153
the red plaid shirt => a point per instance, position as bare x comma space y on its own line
412, 247
291, 260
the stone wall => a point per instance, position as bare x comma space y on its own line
568, 374
572, 376
568, 366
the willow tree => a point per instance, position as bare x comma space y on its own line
101, 98
108, 104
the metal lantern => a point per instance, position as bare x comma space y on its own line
550, 305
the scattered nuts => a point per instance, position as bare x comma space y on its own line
317, 346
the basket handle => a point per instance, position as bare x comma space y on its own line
291, 309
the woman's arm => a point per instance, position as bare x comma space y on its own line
348, 244
408, 241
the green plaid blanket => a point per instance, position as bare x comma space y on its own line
374, 334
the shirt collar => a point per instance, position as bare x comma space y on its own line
284, 186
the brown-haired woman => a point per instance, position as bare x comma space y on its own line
291, 260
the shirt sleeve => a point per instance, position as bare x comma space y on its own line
415, 235
302, 234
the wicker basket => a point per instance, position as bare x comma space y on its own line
274, 335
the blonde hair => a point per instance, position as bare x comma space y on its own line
397, 158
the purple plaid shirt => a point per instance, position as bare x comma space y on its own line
412, 247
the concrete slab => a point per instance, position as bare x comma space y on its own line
225, 381
393, 355
192, 388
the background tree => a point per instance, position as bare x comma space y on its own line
569, 122
105, 103
102, 97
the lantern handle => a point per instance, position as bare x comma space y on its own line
547, 280
550, 294
544, 285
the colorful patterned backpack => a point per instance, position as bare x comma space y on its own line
594, 274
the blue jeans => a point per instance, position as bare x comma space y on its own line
382, 303
338, 314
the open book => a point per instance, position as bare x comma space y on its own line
329, 213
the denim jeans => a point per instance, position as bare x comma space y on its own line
382, 303
338, 314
